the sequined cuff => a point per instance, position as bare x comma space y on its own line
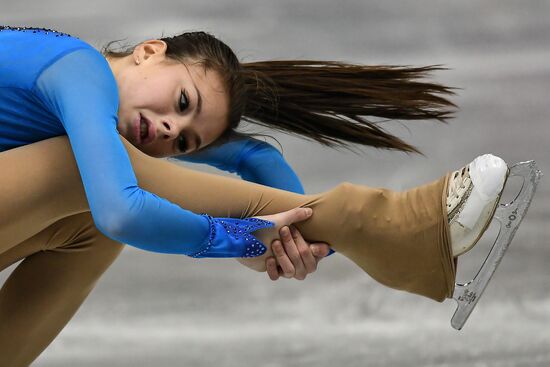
231, 237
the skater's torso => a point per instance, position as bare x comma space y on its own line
25, 116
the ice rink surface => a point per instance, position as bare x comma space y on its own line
165, 310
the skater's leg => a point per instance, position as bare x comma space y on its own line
62, 264
38, 188
400, 239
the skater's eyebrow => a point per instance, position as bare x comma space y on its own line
198, 140
199, 100
199, 97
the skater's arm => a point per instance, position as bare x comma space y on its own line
80, 90
253, 160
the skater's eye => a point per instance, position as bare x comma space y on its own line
182, 144
184, 101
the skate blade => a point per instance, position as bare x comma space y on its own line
509, 217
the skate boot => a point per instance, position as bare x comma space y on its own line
473, 196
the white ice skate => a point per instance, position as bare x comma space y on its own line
472, 203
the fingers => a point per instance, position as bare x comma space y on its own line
319, 250
272, 269
309, 261
292, 250
284, 261
293, 255
297, 215
288, 254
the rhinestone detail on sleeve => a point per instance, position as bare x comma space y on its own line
237, 229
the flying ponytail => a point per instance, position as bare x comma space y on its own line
329, 101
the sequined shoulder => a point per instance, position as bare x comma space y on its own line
35, 30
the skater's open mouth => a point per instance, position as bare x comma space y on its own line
146, 130
143, 128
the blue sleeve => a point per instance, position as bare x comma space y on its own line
253, 160
80, 90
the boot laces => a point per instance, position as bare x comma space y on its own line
458, 182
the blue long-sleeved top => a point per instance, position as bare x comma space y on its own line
53, 84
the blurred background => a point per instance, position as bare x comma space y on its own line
164, 310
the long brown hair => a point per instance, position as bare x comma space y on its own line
326, 101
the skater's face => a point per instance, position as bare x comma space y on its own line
185, 106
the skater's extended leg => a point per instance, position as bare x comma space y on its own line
62, 264
400, 239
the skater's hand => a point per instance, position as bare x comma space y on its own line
294, 256
268, 235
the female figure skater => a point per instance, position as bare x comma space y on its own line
63, 105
